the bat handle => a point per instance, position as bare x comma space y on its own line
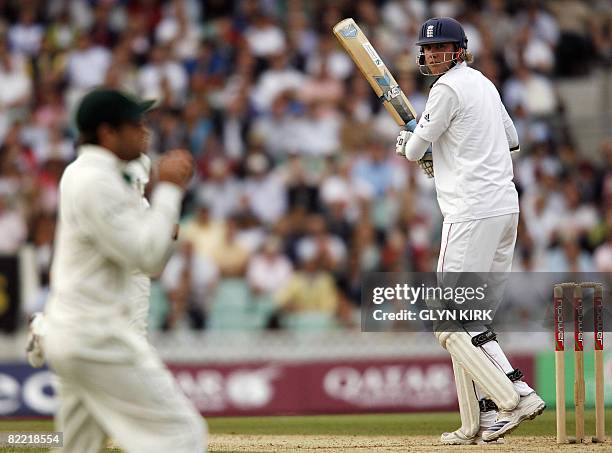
410, 125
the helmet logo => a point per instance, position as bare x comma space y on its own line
430, 31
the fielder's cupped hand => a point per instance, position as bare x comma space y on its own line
176, 167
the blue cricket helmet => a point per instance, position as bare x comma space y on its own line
440, 30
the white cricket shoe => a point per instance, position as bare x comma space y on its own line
528, 408
458, 438
34, 349
480, 441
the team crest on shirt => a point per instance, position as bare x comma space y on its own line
426, 117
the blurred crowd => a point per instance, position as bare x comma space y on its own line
298, 191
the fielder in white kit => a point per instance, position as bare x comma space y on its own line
112, 383
472, 136
138, 172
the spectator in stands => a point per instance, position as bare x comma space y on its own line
264, 191
179, 29
51, 111
358, 112
42, 234
375, 169
310, 291
536, 53
122, 73
189, 280
330, 249
540, 220
318, 130
101, 30
575, 49
383, 178
231, 257
579, 217
222, 189
264, 37
86, 67
321, 86
12, 225
18, 166
25, 36
203, 232
15, 87
54, 145
603, 253
163, 78
498, 23
269, 270
339, 197
537, 18
279, 78
198, 125
275, 128
365, 251
531, 91
569, 257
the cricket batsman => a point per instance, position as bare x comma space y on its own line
112, 383
471, 137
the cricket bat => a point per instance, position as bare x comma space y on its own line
375, 71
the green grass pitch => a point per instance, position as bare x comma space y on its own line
428, 424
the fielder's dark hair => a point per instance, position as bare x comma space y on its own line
89, 137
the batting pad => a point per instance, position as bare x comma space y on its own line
468, 404
482, 371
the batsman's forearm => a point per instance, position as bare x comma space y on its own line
416, 147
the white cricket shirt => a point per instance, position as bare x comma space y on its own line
103, 236
139, 171
471, 134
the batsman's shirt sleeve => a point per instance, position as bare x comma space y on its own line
441, 108
131, 237
415, 148
511, 134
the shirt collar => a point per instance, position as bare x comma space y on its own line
101, 154
462, 64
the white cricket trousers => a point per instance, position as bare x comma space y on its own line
484, 245
117, 387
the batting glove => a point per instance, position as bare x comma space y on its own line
403, 137
400, 145
426, 164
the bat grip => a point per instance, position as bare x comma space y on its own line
410, 125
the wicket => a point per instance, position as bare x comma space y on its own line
579, 391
